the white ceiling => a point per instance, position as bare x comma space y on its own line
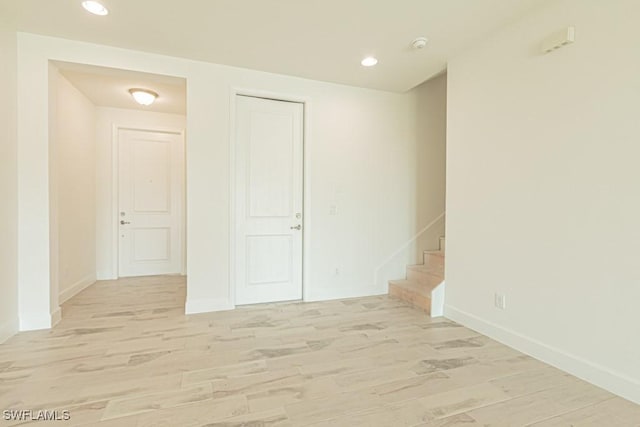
321, 40
109, 87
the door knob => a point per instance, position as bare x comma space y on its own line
297, 227
123, 222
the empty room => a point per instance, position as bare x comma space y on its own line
302, 213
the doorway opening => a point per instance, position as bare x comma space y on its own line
117, 177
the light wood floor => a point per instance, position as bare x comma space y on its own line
125, 355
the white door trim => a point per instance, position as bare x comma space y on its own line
306, 203
115, 194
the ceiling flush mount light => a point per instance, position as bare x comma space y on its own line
419, 43
95, 7
143, 96
369, 61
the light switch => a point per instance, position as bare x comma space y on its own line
500, 301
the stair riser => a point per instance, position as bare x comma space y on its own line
415, 299
433, 261
429, 280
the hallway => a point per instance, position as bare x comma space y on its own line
124, 354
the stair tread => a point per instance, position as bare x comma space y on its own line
435, 253
433, 271
414, 286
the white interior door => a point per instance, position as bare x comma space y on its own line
269, 200
150, 202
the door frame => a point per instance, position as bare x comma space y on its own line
306, 182
115, 194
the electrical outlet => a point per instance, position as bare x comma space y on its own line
500, 301
336, 272
333, 210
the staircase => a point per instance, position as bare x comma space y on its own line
424, 282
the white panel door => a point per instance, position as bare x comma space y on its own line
150, 202
268, 190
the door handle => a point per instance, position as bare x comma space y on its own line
297, 227
123, 222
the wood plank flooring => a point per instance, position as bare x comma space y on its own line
124, 354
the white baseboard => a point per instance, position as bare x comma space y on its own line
36, 322
76, 288
206, 305
601, 376
196, 306
8, 329
437, 300
56, 316
105, 275
333, 294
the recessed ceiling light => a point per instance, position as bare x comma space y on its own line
369, 61
143, 96
95, 7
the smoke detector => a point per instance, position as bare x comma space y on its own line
419, 43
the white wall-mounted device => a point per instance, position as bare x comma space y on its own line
419, 43
559, 39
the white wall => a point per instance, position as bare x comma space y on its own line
8, 188
106, 119
431, 132
542, 193
360, 155
73, 197
428, 182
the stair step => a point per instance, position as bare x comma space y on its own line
435, 253
412, 286
412, 292
421, 281
425, 275
433, 259
437, 270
